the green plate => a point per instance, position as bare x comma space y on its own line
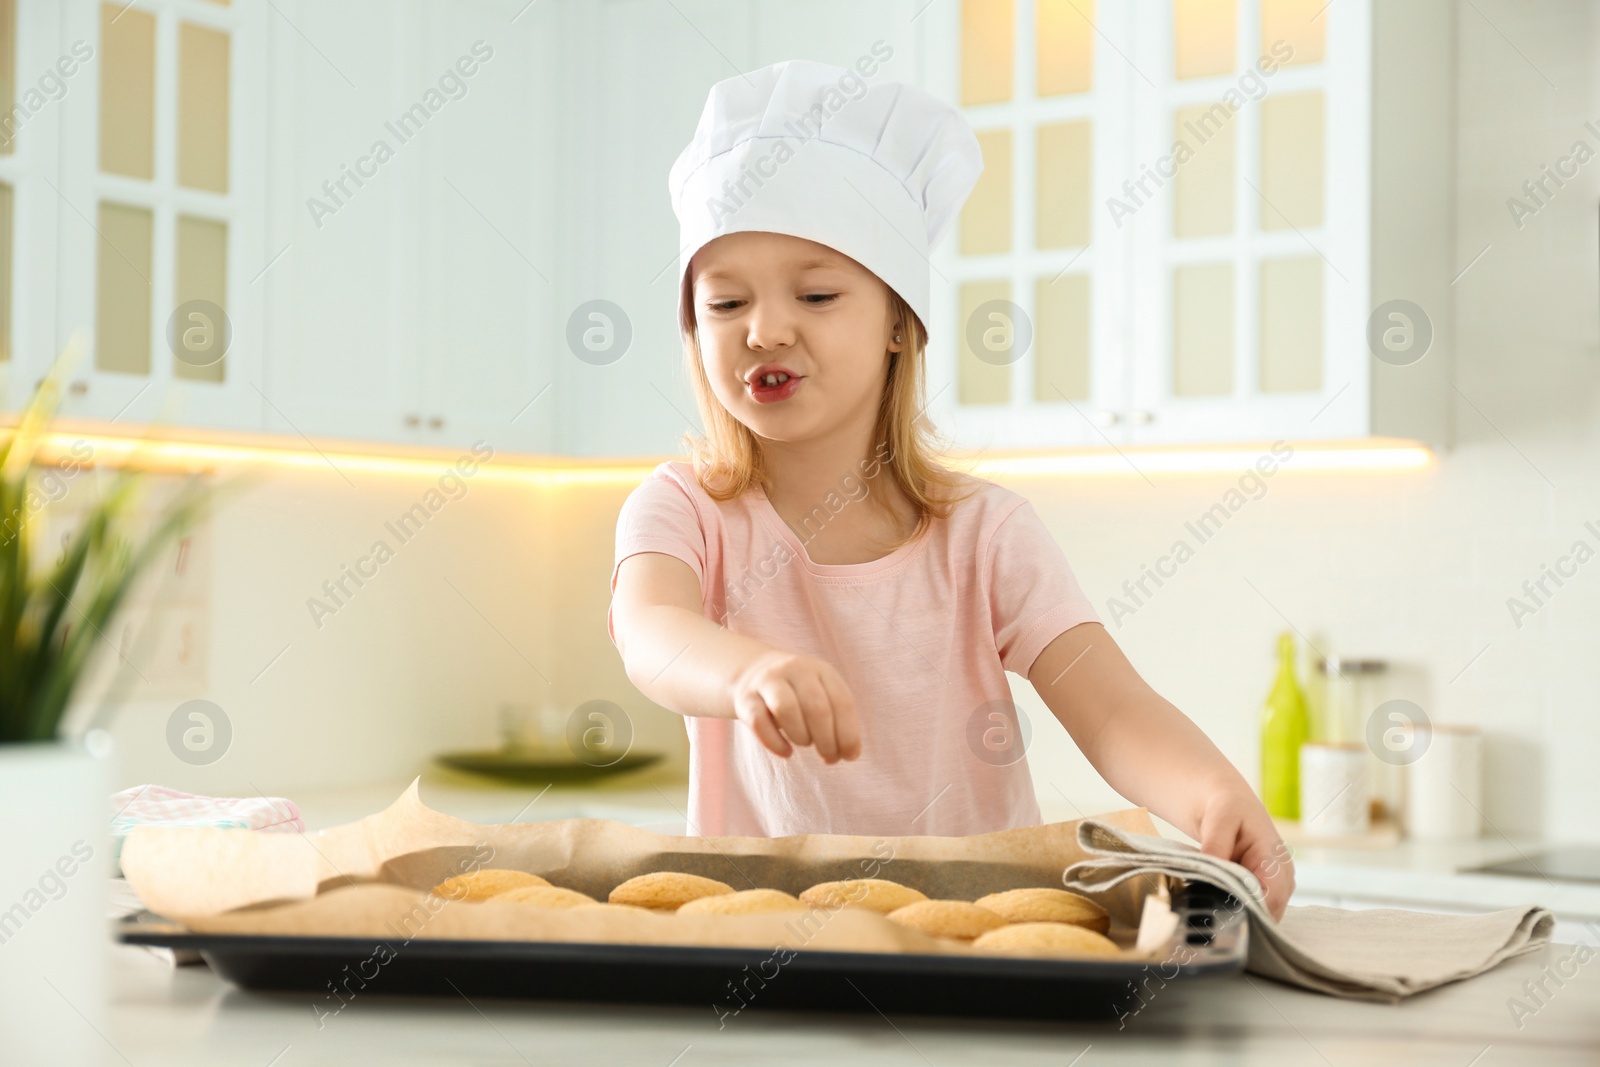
538, 768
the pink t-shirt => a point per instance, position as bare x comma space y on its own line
923, 637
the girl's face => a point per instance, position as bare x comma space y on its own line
767, 300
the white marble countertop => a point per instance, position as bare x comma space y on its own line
1425, 874
189, 1016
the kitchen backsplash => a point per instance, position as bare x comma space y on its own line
502, 595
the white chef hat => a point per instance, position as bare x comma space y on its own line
876, 171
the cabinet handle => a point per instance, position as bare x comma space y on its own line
1105, 418
413, 421
1143, 418
436, 423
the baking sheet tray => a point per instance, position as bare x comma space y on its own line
1210, 940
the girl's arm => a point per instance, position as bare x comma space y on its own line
685, 662
1151, 753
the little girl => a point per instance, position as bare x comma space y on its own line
832, 611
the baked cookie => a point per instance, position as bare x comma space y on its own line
666, 890
958, 919
1046, 939
1047, 906
545, 896
485, 883
874, 894
744, 902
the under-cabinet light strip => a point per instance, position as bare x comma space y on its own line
1205, 460
173, 455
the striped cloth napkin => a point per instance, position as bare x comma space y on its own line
1382, 954
156, 805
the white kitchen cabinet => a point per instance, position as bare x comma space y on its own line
841, 32
343, 279
636, 73
491, 267
1187, 222
158, 168
411, 220
232, 152
29, 209
504, 269
1028, 339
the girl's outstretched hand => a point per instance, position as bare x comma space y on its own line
1234, 826
791, 699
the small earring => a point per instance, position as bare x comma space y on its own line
896, 338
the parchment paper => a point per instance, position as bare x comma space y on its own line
371, 877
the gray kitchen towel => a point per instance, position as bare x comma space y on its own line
1383, 954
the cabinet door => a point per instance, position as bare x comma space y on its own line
841, 32
636, 78
1250, 258
159, 211
488, 205
347, 183
1029, 331
30, 40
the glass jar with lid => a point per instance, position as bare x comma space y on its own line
1354, 688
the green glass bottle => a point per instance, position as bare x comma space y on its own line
1284, 726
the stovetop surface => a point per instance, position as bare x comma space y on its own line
1567, 863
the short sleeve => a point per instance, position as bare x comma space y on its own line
1033, 595
659, 516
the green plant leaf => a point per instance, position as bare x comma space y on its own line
54, 615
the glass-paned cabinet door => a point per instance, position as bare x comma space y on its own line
1249, 256
11, 168
36, 70
160, 209
1026, 348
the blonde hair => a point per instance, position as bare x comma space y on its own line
727, 460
